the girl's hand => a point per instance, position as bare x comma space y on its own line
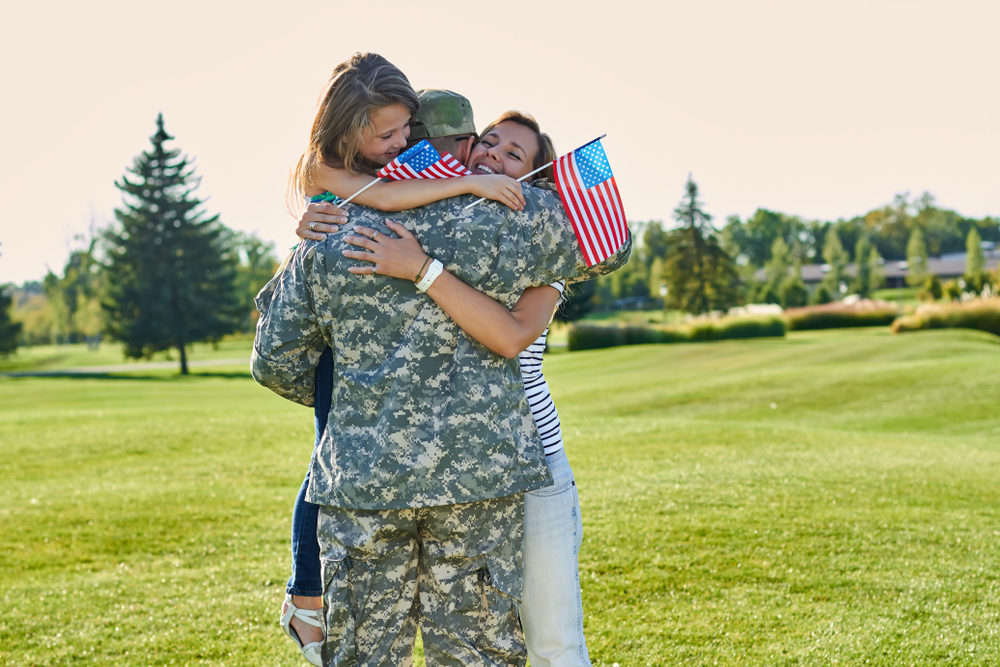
498, 187
395, 257
319, 219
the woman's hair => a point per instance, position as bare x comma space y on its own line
546, 150
358, 87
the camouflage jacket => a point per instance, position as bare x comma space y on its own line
422, 415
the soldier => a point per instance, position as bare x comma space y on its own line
429, 444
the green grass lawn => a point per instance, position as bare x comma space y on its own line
828, 498
71, 357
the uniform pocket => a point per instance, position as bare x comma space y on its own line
340, 611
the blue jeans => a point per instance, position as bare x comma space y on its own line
306, 578
551, 607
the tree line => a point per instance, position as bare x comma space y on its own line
697, 267
166, 274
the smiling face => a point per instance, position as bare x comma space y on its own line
508, 148
386, 134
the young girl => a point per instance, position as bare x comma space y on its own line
361, 124
551, 610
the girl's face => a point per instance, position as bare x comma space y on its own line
386, 134
509, 148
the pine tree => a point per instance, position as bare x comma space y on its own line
9, 329
698, 273
170, 277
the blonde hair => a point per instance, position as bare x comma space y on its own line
358, 87
546, 149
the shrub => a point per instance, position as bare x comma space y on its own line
932, 290
751, 327
822, 295
983, 314
951, 290
737, 327
864, 313
592, 337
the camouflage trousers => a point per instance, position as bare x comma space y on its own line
453, 571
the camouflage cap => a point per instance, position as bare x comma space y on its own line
442, 113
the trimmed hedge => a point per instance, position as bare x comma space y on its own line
842, 315
595, 336
738, 327
983, 315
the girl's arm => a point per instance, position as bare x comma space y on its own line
505, 332
399, 195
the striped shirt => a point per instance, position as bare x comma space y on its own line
543, 409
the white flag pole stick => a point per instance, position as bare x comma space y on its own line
348, 200
544, 166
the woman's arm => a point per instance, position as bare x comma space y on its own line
505, 332
399, 195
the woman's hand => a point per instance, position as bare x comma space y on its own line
498, 187
395, 257
319, 219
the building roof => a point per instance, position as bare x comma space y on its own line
947, 266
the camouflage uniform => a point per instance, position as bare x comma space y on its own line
422, 415
464, 560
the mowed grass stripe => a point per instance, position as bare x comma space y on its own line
855, 521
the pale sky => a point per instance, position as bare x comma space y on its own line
819, 109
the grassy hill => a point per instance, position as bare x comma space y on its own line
829, 497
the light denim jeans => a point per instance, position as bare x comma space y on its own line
551, 608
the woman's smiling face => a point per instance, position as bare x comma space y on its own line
509, 148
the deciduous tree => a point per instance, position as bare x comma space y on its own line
975, 261
836, 259
916, 259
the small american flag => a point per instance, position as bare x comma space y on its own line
590, 195
423, 161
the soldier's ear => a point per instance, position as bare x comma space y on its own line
464, 146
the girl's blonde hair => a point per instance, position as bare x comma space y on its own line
546, 150
358, 87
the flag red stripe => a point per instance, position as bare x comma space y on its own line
583, 213
601, 192
617, 198
609, 205
613, 209
576, 209
564, 186
596, 221
599, 220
